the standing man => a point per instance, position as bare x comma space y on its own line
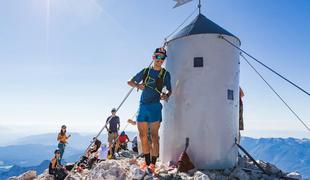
114, 125
153, 80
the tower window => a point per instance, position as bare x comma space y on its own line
230, 94
198, 61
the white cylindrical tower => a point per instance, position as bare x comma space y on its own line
204, 105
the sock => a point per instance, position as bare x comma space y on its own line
154, 159
147, 158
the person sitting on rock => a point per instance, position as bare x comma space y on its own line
55, 168
92, 153
54, 162
123, 140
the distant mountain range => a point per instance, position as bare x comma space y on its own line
17, 170
288, 154
32, 154
32, 150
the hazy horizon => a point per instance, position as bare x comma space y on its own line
8, 136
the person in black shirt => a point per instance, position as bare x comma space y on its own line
113, 128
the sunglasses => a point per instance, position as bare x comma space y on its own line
160, 57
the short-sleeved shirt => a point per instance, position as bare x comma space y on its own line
62, 138
113, 124
149, 94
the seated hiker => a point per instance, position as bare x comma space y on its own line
123, 139
92, 153
55, 168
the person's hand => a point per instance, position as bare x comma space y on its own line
164, 97
140, 86
110, 132
132, 122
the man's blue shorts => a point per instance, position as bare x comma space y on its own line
150, 112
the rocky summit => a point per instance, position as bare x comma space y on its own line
126, 167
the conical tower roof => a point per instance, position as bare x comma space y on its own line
202, 25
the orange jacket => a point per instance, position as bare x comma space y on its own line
62, 138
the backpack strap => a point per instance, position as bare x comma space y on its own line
146, 73
160, 80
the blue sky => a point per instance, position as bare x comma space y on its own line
67, 61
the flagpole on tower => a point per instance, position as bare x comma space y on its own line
199, 6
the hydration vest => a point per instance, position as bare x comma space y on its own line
159, 80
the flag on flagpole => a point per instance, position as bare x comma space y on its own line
181, 2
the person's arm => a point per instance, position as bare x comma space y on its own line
167, 84
54, 162
136, 85
88, 153
97, 155
132, 122
109, 131
134, 82
58, 137
128, 138
118, 124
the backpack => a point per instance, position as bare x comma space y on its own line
159, 81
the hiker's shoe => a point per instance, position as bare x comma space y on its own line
110, 157
143, 166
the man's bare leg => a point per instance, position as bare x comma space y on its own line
143, 129
155, 141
